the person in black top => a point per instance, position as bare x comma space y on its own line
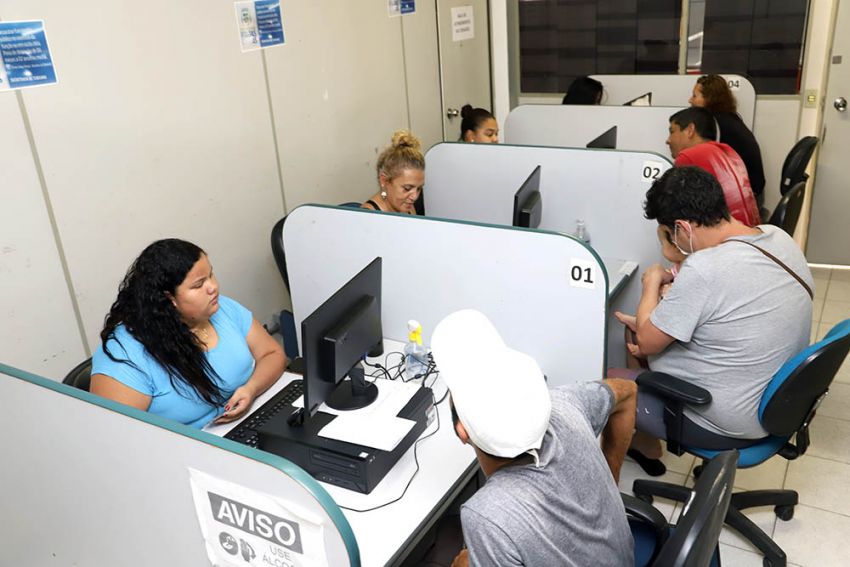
401, 175
583, 90
712, 92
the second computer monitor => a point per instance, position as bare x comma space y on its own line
607, 140
336, 337
528, 205
642, 100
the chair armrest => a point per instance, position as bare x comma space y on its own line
672, 388
645, 512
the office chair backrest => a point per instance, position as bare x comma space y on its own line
797, 388
278, 252
80, 376
794, 167
787, 212
351, 204
694, 539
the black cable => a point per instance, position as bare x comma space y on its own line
415, 472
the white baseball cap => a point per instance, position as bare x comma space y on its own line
500, 394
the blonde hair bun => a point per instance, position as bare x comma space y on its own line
404, 139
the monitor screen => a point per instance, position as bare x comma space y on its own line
528, 205
607, 140
336, 337
643, 100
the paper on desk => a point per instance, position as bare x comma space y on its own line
377, 425
368, 430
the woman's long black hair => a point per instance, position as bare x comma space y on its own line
149, 315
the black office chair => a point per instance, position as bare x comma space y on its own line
787, 407
692, 541
787, 212
796, 162
80, 376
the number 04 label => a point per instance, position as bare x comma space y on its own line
582, 273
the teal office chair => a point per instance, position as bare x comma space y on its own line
787, 408
692, 541
79, 376
787, 212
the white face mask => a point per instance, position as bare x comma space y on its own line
690, 239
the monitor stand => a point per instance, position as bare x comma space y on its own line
356, 394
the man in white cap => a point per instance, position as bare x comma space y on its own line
551, 496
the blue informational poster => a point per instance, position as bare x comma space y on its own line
24, 55
408, 6
260, 23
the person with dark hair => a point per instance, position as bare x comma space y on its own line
713, 93
173, 346
691, 142
478, 125
583, 90
739, 307
551, 494
401, 176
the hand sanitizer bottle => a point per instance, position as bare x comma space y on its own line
415, 355
581, 232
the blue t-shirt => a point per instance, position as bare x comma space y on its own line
231, 359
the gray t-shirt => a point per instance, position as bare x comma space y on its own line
737, 317
567, 512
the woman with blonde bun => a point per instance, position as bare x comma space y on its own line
401, 175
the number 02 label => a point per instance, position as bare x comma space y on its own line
582, 273
651, 171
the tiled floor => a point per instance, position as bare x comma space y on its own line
820, 529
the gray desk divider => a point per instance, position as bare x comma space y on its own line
431, 267
639, 128
674, 90
605, 188
82, 484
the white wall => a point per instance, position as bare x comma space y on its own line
159, 126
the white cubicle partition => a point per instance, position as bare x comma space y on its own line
674, 90
606, 189
639, 128
431, 267
86, 481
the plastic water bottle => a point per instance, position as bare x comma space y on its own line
581, 232
415, 355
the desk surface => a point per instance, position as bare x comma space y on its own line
619, 273
386, 534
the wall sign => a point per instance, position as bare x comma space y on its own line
25, 57
463, 23
243, 527
400, 7
260, 24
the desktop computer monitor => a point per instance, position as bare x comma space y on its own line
643, 100
607, 140
528, 205
334, 340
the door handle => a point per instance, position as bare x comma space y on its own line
840, 104
452, 113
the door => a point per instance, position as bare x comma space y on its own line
829, 229
464, 31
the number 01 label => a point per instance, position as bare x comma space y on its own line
582, 273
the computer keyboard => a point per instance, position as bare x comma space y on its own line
246, 432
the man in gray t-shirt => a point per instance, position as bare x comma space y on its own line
551, 496
732, 317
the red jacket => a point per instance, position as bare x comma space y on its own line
728, 168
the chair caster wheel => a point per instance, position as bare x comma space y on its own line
644, 497
784, 513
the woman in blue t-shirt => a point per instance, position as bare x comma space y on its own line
173, 346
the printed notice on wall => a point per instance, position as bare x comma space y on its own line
24, 55
463, 23
243, 527
260, 24
400, 7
